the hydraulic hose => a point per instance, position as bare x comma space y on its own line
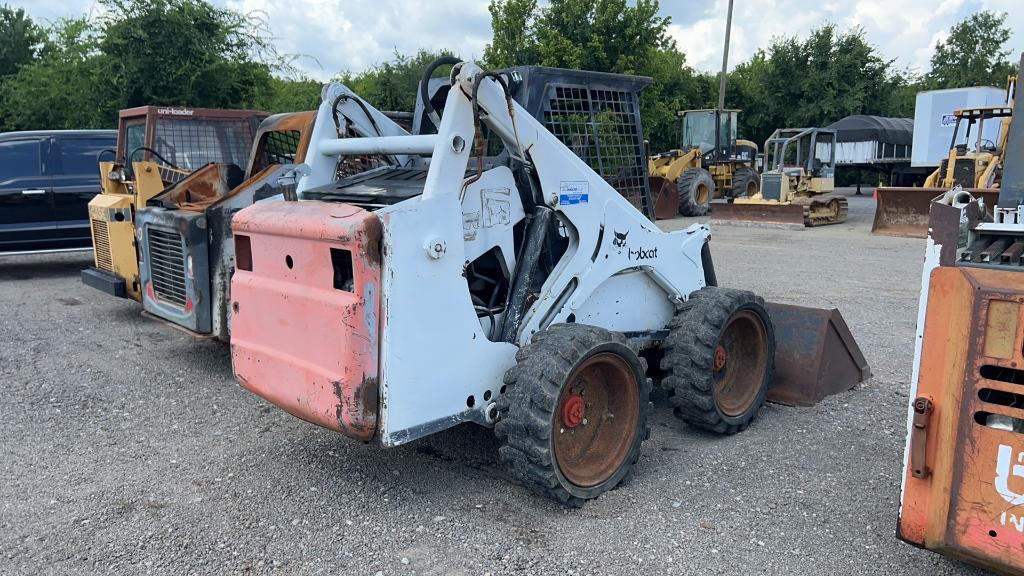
435, 118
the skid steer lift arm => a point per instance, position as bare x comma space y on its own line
607, 236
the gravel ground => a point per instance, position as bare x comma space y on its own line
128, 449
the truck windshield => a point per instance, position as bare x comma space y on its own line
699, 130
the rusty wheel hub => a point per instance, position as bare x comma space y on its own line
572, 411
596, 419
720, 355
740, 363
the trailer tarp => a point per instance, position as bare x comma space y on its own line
861, 128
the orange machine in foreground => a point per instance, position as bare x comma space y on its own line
963, 486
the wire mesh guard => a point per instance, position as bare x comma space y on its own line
352, 164
280, 147
191, 144
602, 128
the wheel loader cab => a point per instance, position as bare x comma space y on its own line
157, 146
713, 133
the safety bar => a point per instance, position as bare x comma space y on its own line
418, 144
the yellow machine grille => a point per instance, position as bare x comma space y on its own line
167, 265
101, 245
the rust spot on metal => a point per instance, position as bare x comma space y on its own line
372, 240
356, 413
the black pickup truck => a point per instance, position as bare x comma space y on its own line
47, 178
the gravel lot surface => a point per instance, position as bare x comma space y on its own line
129, 449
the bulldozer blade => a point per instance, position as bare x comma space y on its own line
790, 216
815, 355
665, 196
904, 211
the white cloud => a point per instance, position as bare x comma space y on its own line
355, 34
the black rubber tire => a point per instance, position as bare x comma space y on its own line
688, 184
528, 412
741, 178
689, 352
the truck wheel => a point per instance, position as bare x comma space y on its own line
696, 189
745, 182
718, 359
574, 412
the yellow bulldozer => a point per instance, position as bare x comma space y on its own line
976, 166
796, 187
710, 163
157, 146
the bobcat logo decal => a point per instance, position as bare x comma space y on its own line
620, 238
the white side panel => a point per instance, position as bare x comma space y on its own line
626, 303
436, 352
931, 262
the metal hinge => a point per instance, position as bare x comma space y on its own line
923, 408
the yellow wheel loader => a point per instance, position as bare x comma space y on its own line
976, 167
797, 189
711, 163
156, 147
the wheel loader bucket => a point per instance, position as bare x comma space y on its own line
789, 216
904, 211
815, 355
665, 196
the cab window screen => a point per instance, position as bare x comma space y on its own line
191, 144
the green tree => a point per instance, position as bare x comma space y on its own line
513, 43
392, 85
974, 54
20, 40
59, 90
141, 52
185, 52
813, 82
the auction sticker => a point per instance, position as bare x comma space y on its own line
570, 193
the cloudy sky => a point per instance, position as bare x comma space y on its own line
338, 35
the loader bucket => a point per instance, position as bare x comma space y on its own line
815, 355
904, 211
665, 196
790, 216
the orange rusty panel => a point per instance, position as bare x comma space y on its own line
1001, 328
972, 505
947, 324
301, 335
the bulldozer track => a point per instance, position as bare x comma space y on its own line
820, 210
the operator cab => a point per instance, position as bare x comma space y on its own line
713, 132
967, 118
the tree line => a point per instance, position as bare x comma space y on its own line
78, 72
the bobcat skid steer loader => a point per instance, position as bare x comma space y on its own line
403, 301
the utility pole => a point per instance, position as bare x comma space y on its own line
725, 59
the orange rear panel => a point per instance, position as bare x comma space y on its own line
971, 506
305, 314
